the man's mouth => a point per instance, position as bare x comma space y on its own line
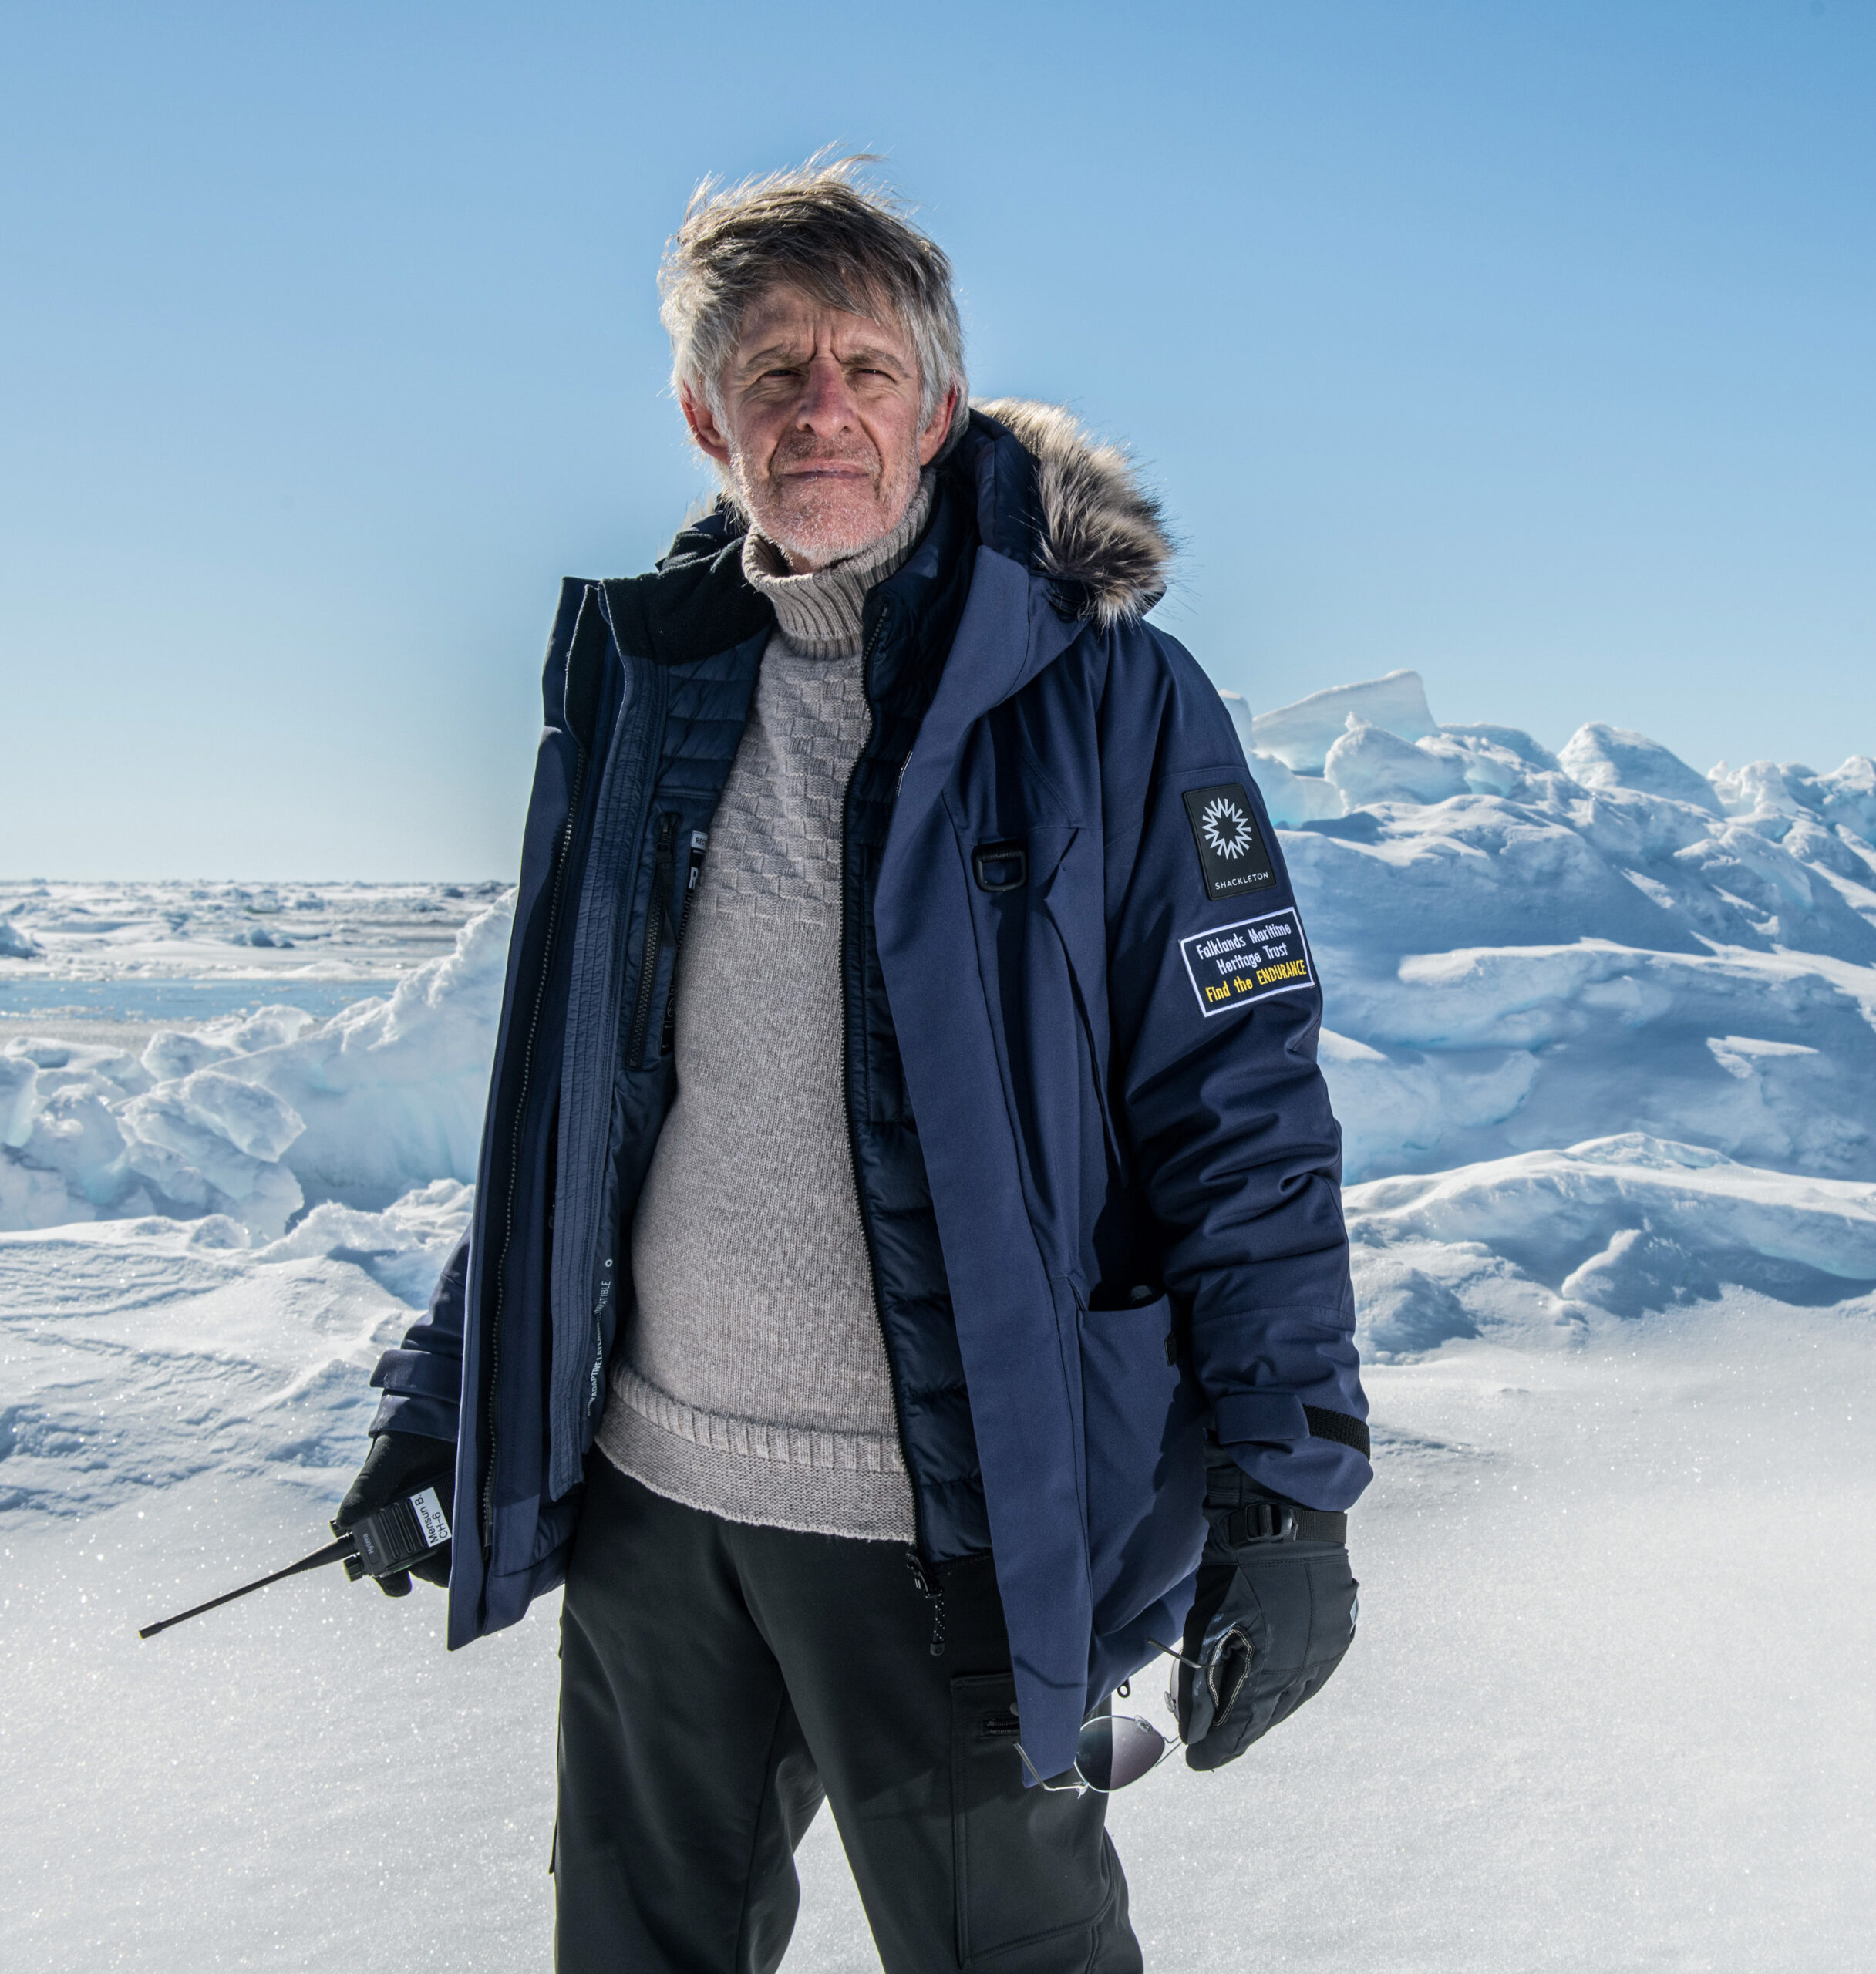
823, 470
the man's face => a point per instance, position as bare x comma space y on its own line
819, 427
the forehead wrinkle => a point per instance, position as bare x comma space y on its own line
789, 348
783, 313
793, 350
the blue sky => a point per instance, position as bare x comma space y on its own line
1532, 346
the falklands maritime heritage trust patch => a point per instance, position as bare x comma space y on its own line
1231, 855
1247, 961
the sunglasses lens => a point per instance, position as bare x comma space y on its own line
1116, 1750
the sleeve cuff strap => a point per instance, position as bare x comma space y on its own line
1280, 1418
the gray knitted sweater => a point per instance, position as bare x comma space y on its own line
753, 1382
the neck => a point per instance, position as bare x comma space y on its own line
819, 610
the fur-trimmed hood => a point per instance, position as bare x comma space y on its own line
1101, 534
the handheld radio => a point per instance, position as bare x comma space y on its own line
391, 1539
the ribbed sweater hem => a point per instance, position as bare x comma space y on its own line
808, 1479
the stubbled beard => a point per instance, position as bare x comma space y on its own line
818, 524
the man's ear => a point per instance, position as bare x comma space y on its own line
933, 436
711, 439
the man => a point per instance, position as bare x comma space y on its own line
908, 1282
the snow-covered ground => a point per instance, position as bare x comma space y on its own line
1602, 1033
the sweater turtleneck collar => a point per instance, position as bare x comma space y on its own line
819, 614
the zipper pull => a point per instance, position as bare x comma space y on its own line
933, 1595
699, 843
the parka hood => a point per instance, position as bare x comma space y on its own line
1099, 535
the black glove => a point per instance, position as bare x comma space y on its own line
1274, 1614
401, 1463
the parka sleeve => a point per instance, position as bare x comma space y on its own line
422, 1380
1216, 1007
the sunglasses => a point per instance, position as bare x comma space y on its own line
1115, 1749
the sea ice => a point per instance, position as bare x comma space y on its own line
1604, 1048
254, 1116
1301, 735
1517, 958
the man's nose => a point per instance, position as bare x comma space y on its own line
826, 404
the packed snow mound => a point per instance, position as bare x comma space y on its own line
391, 1092
252, 1116
1531, 1249
15, 943
1522, 950
175, 1052
141, 1353
1599, 757
1368, 764
1772, 796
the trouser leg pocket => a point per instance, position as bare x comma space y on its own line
1030, 1865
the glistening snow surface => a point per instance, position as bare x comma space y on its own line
1602, 1034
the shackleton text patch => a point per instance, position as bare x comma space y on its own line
1247, 961
1230, 846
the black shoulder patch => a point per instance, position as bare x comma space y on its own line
1231, 855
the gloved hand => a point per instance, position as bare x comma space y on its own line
398, 1464
1274, 1614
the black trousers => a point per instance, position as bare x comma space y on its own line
718, 1680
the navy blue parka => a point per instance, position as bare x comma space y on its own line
1096, 1163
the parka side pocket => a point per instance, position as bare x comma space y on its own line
1145, 1459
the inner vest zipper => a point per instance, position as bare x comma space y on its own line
853, 1128
700, 842
515, 1145
657, 922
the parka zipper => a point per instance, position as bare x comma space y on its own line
514, 1147
657, 918
621, 816
853, 1141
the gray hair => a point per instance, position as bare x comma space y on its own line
843, 244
